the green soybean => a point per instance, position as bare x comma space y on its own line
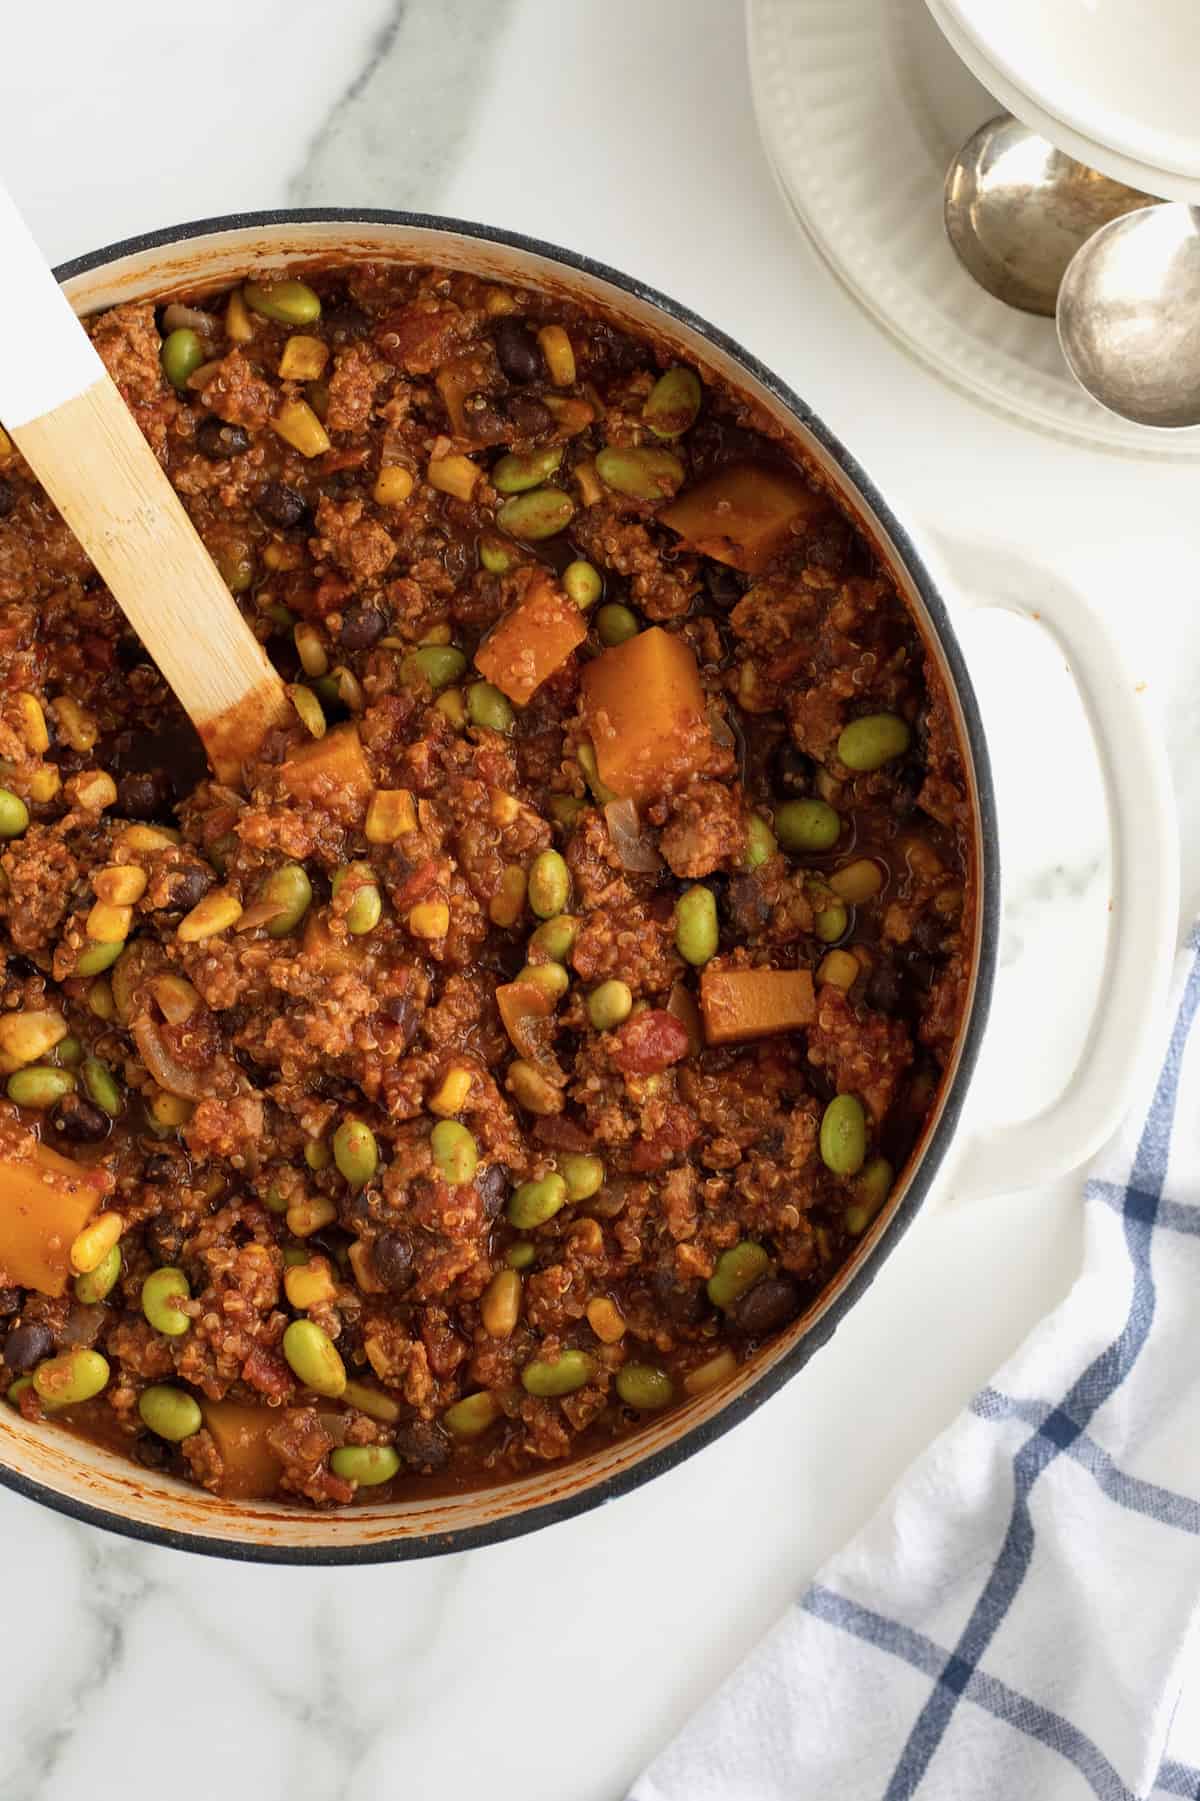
645, 473
844, 1135
551, 978
556, 938
367, 1465
871, 1190
471, 1416
642, 1386
39, 1086
355, 1152
454, 1151
16, 1389
807, 825
533, 1203
14, 814
760, 842
69, 1051
169, 1412
162, 1291
615, 624
289, 889
515, 474
99, 1282
564, 809
182, 354
872, 741
673, 403
100, 1086
439, 664
98, 957
73, 1377
583, 1175
487, 706
520, 1255
569, 1371
738, 1269
609, 1005
495, 555
366, 904
696, 931
542, 513
583, 584
830, 921
285, 302
313, 1358
549, 884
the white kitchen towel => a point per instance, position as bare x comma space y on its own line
1013, 1623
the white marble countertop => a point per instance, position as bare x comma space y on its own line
555, 1666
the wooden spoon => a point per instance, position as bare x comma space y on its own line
64, 412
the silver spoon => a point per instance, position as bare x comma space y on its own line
1017, 210
1129, 316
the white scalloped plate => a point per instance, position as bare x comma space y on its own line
861, 105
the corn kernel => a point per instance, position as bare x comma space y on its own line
454, 475
239, 327
365, 1278
508, 902
591, 489
278, 556
503, 808
303, 358
77, 727
93, 1244
308, 1216
393, 485
310, 649
390, 815
44, 783
215, 913
121, 884
24, 1037
452, 1093
93, 790
438, 634
429, 919
604, 1317
449, 704
310, 1284
586, 1236
298, 425
176, 997
499, 301
107, 924
170, 1110
148, 837
33, 724
560, 358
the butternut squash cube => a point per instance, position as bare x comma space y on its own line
740, 1004
45, 1202
532, 641
239, 1431
644, 709
332, 771
743, 514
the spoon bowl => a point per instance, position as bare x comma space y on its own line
1129, 316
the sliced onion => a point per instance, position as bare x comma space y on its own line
190, 1084
682, 1006
718, 725
178, 317
630, 842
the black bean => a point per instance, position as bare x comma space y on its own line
216, 440
725, 586
517, 350
79, 1120
683, 1302
164, 1239
910, 779
528, 417
10, 1301
150, 1452
143, 794
8, 498
770, 1304
484, 424
921, 972
883, 989
361, 627
493, 1184
791, 773
282, 505
929, 932
422, 1445
27, 1345
345, 322
188, 886
391, 1259
160, 1167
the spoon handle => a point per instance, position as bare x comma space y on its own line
68, 419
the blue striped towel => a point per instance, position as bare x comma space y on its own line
1013, 1623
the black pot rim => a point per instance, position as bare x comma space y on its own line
771, 1380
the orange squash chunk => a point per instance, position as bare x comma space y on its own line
739, 1004
526, 1011
239, 1431
744, 513
331, 772
532, 641
644, 710
337, 956
45, 1202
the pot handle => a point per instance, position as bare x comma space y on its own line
1144, 909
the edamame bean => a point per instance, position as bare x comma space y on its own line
14, 814
642, 1386
583, 1175
366, 904
99, 1282
738, 1269
69, 1051
556, 939
520, 1255
549, 887
500, 1305
615, 624
807, 825
673, 403
181, 355
366, 1465
844, 1135
162, 1292
472, 1415
710, 1374
286, 302
609, 1005
696, 931
313, 1359
872, 741
39, 1086
488, 707
542, 513
551, 978
760, 842
169, 1412
871, 1190
439, 664
73, 1377
533, 1203
569, 1371
100, 1086
644, 473
583, 584
98, 957
289, 889
494, 554
454, 1151
355, 1152
858, 881
515, 474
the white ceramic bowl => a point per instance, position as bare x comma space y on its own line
1112, 82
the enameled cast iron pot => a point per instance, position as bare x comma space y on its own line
91, 1485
